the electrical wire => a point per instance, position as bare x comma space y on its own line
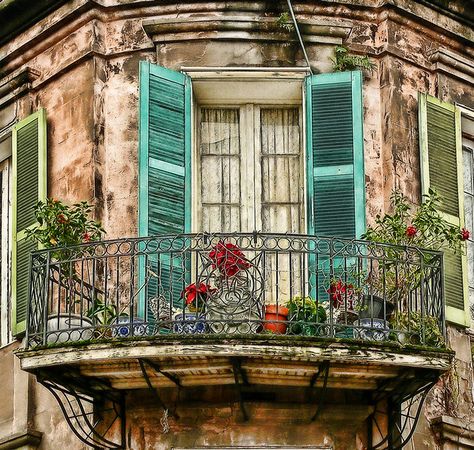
295, 23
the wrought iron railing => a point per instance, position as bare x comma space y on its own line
236, 284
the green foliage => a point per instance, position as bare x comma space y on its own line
304, 312
428, 228
284, 21
417, 327
400, 271
102, 313
60, 225
343, 62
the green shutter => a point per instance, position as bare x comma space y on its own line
335, 156
29, 186
164, 175
442, 170
335, 164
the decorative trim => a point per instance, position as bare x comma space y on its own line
14, 86
451, 429
254, 28
336, 352
19, 440
453, 64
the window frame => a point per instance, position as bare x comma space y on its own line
6, 336
250, 163
217, 87
468, 113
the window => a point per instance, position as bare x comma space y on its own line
265, 151
249, 164
242, 151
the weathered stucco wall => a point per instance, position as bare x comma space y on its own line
212, 417
85, 58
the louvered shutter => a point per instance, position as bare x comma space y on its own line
29, 186
442, 170
335, 165
164, 178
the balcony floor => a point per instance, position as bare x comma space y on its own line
211, 360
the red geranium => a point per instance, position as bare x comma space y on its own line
228, 258
341, 292
411, 231
86, 237
465, 234
193, 293
62, 218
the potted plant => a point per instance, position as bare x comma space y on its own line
59, 227
276, 317
102, 315
343, 298
394, 277
413, 328
192, 317
305, 316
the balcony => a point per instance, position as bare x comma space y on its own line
237, 285
245, 309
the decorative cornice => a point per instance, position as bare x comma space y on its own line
454, 430
16, 84
238, 27
453, 64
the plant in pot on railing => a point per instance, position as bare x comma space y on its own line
344, 311
59, 227
102, 315
305, 316
416, 329
192, 319
399, 272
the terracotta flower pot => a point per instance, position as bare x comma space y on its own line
275, 313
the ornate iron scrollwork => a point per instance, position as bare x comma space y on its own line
92, 413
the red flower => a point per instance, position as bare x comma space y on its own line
192, 293
341, 293
411, 231
228, 258
86, 237
465, 234
62, 218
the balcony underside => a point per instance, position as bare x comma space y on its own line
203, 360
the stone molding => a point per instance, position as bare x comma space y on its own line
16, 84
458, 431
453, 64
29, 439
238, 27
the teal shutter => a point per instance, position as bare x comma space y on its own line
29, 186
335, 165
442, 170
164, 177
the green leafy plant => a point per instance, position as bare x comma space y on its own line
284, 21
420, 227
402, 268
102, 314
416, 329
343, 61
304, 313
60, 225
